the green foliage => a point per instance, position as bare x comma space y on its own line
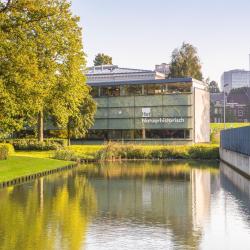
185, 62
10, 148
113, 151
214, 87
4, 152
66, 155
102, 59
44, 73
33, 144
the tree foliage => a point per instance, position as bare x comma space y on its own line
102, 59
42, 63
214, 87
185, 62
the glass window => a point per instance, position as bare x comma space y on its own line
178, 87
131, 90
94, 91
97, 134
153, 89
167, 134
110, 91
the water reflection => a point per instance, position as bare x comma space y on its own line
50, 213
135, 205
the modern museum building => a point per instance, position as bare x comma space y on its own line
142, 106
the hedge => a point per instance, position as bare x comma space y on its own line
33, 144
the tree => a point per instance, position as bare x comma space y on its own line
43, 63
214, 87
102, 59
185, 62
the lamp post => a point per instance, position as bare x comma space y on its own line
225, 85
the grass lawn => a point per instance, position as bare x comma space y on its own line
17, 166
217, 127
36, 154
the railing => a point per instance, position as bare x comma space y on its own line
237, 140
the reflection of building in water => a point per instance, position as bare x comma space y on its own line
201, 191
181, 203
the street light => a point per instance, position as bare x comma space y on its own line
225, 85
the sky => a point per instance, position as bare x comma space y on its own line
143, 33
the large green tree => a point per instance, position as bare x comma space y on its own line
102, 59
43, 63
185, 62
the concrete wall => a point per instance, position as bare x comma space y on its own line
201, 115
238, 161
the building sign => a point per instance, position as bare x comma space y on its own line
146, 114
163, 120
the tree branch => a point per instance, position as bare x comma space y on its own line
6, 7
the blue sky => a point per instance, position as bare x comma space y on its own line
142, 33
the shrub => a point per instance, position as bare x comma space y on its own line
33, 144
4, 152
66, 155
204, 152
9, 146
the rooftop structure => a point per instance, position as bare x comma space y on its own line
114, 73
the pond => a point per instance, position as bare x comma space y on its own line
133, 205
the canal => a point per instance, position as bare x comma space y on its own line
134, 205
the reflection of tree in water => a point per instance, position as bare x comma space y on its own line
46, 214
175, 195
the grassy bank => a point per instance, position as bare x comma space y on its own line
217, 127
18, 166
113, 151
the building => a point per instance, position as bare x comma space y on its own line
237, 106
163, 68
113, 73
171, 111
235, 79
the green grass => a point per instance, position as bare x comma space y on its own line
217, 127
18, 166
36, 154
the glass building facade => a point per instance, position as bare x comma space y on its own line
170, 111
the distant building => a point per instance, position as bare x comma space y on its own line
163, 68
113, 73
237, 106
235, 79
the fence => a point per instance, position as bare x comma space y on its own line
237, 140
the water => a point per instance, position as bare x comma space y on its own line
140, 205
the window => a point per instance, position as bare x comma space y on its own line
131, 90
110, 91
178, 87
94, 91
153, 89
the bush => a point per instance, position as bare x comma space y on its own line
66, 155
33, 144
4, 151
204, 152
9, 146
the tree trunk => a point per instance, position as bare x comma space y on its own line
40, 126
68, 130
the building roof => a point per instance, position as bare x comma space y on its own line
217, 97
149, 81
113, 69
240, 95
